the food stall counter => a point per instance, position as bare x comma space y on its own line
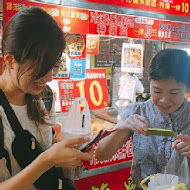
113, 173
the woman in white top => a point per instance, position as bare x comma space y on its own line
32, 46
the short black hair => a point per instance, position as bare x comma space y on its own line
171, 63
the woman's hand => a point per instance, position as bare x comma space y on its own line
64, 154
182, 144
136, 123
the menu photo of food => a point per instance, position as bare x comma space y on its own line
132, 58
75, 45
64, 68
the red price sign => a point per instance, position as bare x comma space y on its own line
67, 95
94, 88
96, 91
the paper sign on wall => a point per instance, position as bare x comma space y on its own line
64, 68
132, 58
78, 69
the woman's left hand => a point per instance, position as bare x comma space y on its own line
182, 144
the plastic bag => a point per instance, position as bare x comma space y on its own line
77, 122
179, 166
176, 176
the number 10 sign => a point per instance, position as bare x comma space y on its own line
94, 88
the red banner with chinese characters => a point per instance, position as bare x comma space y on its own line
115, 180
110, 180
94, 88
67, 92
102, 23
69, 19
74, 20
125, 153
174, 7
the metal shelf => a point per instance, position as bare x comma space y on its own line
106, 169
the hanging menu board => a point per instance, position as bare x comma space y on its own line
174, 7
69, 19
102, 23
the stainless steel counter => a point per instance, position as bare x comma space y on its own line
106, 169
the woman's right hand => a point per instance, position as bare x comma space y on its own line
136, 123
64, 154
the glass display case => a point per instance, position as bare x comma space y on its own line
103, 119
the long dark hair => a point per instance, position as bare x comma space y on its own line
34, 35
